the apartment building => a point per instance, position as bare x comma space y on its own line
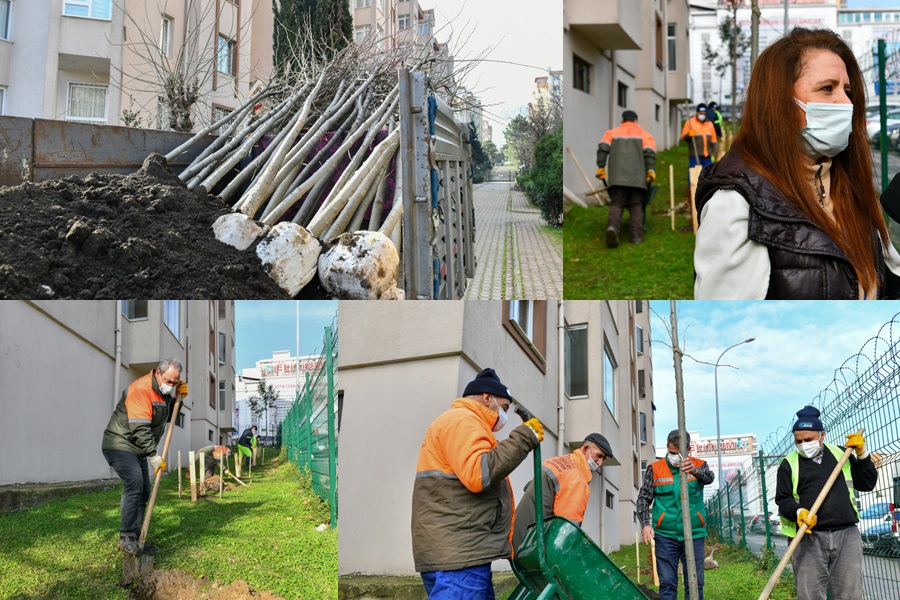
575, 365
90, 60
618, 55
392, 23
64, 365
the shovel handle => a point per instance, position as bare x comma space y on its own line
800, 532
653, 555
171, 427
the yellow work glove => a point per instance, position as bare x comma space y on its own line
601, 173
536, 427
858, 443
181, 388
651, 176
157, 464
803, 516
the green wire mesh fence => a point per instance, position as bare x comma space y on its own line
309, 432
865, 393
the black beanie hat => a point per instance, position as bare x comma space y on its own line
487, 382
701, 107
808, 419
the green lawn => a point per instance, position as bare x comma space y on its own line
661, 267
264, 535
740, 575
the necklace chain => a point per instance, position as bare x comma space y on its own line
820, 190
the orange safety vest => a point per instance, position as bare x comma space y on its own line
571, 477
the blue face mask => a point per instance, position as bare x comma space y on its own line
828, 126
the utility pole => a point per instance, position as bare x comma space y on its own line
683, 450
754, 33
786, 27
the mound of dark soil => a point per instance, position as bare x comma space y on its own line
143, 235
178, 585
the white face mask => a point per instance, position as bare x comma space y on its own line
828, 127
592, 464
809, 449
675, 459
701, 117
501, 422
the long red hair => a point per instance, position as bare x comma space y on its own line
771, 143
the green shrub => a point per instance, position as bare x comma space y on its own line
543, 183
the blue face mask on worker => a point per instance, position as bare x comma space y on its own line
501, 422
828, 127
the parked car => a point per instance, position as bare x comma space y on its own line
757, 525
882, 538
873, 515
873, 125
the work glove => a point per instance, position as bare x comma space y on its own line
181, 388
858, 443
601, 173
157, 464
651, 176
536, 427
803, 516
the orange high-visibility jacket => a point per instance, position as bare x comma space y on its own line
700, 136
463, 509
627, 152
565, 481
139, 419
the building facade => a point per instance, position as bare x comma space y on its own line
57, 348
90, 60
392, 23
550, 354
621, 55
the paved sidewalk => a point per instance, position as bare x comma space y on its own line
515, 256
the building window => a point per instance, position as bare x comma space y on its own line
642, 427
609, 380
622, 95
179, 420
222, 348
225, 56
91, 9
165, 36
642, 383
643, 469
172, 317
86, 103
360, 33
610, 500
526, 322
658, 112
581, 74
5, 13
134, 309
639, 338
403, 22
659, 42
210, 435
672, 47
162, 113
638, 306
2, 100
363, 3
576, 361
219, 112
222, 304
424, 28
221, 395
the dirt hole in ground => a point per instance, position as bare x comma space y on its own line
178, 585
143, 235
649, 592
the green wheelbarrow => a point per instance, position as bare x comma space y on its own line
648, 197
561, 561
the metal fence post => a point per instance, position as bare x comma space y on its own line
765, 499
332, 451
741, 504
730, 521
306, 412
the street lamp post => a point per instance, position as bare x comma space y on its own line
718, 432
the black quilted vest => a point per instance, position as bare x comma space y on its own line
806, 263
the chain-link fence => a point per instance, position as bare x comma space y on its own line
865, 393
309, 432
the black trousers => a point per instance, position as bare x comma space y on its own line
136, 476
622, 197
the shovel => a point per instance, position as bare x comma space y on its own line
139, 565
802, 530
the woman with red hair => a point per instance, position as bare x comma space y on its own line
791, 211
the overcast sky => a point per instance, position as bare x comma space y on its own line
528, 32
798, 346
265, 326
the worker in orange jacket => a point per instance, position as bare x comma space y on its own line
565, 484
463, 507
700, 134
626, 163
